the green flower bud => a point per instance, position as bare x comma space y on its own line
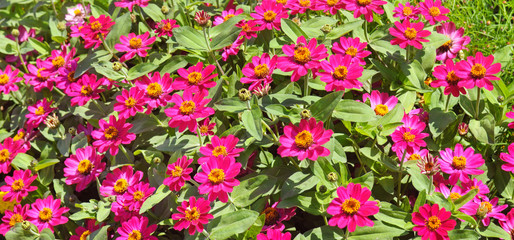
116, 66
305, 114
332, 176
165, 9
326, 28
61, 26
15, 32
244, 94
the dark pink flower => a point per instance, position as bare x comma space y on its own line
111, 134
409, 139
83, 232
457, 42
232, 49
259, 71
39, 111
433, 11
478, 71
8, 78
83, 167
508, 223
178, 173
206, 128
47, 213
432, 222
121, 210
352, 47
165, 27
195, 78
481, 187
275, 216
299, 6
351, 207
8, 151
131, 3
18, 186
225, 147
217, 177
136, 228
446, 77
193, 214
508, 158
135, 195
17, 215
188, 108
406, 12
66, 76
274, 235
157, 89
134, 44
408, 33
226, 15
484, 209
305, 141
381, 103
340, 73
85, 89
35, 78
330, 6
130, 102
459, 162
59, 59
117, 182
301, 57
248, 29
268, 14
365, 7
91, 31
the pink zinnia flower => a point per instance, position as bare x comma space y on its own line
117, 182
433, 11
134, 44
47, 213
111, 134
83, 232
66, 76
76, 14
188, 108
274, 235
365, 7
178, 173
457, 41
511, 116
508, 223
18, 186
482, 188
130, 102
432, 222
259, 70
301, 57
35, 78
59, 59
478, 71
232, 49
484, 209
299, 6
455, 193
165, 27
195, 78
17, 215
268, 14
39, 111
217, 177
352, 47
446, 77
305, 141
409, 139
85, 89
226, 15
8, 78
459, 162
83, 167
121, 210
331, 6
206, 128
408, 33
131, 3
381, 103
225, 147
340, 73
351, 207
193, 214
248, 29
136, 228
406, 12
157, 89
135, 195
8, 151
90, 32
508, 158
275, 216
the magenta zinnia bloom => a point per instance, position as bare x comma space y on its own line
275, 216
299, 6
206, 128
17, 215
225, 146
83, 232
218, 177
351, 207
47, 213
8, 78
157, 89
446, 77
76, 14
232, 49
18, 186
195, 78
111, 134
178, 173
340, 73
248, 29
130, 102
365, 7
259, 71
188, 108
131, 3
305, 141
432, 222
268, 14
165, 27
274, 235
433, 11
35, 78
508, 158
83, 167
478, 71
301, 57
226, 15
135, 195
406, 12
381, 103
8, 151
457, 41
136, 228
193, 215
482, 188
409, 139
507, 224
352, 47
459, 162
87, 88
39, 111
134, 44
117, 182
484, 209
408, 33
90, 32
331, 6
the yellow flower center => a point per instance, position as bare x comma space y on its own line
204, 129
486, 205
381, 109
192, 214
272, 215
4, 155
135, 43
216, 176
154, 90
134, 235
446, 46
414, 156
433, 223
4, 79
410, 33
84, 235
111, 133
478, 71
219, 150
17, 185
408, 137
39, 76
58, 62
19, 136
130, 102
86, 90
138, 195
246, 28
305, 3
452, 78
332, 3
454, 196
187, 107
261, 70
15, 218
84, 166
120, 186
302, 55
229, 16
77, 12
364, 2
352, 51
177, 172
166, 27
350, 206
407, 11
434, 11
459, 162
303, 139
45, 214
269, 16
70, 77
194, 78
283, 2
40, 111
340, 73
96, 25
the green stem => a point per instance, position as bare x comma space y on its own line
447, 103
275, 138
199, 134
211, 54
477, 109
400, 173
347, 234
431, 184
407, 54
306, 86
295, 163
124, 151
99, 107
357, 153
206, 234
143, 18
366, 30
19, 55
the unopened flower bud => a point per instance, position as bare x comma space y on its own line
297, 21
15, 32
61, 26
202, 18
326, 28
52, 121
72, 131
463, 129
462, 55
428, 81
484, 209
165, 9
500, 99
332, 176
261, 90
244, 94
116, 66
380, 127
305, 114
71, 199
25, 225
111, 198
323, 189
133, 18
156, 160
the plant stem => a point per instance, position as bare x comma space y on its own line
447, 102
275, 138
199, 134
477, 109
210, 52
399, 192
431, 184
366, 30
306, 86
407, 54
99, 107
295, 163
19, 55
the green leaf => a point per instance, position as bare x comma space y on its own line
121, 28
344, 29
367, 180
105, 68
162, 192
233, 105
419, 181
420, 200
226, 33
378, 231
140, 70
465, 217
17, 232
297, 183
104, 209
42, 47
439, 121
46, 163
415, 73
292, 30
190, 38
251, 189
154, 12
92, 57
353, 111
46, 234
256, 228
463, 234
465, 199
7, 46
82, 215
232, 223
173, 64
100, 234
323, 108
493, 231
325, 232
252, 120
483, 130
307, 202
22, 160
393, 215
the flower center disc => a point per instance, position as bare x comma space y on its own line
192, 214
45, 214
261, 70
350, 206
478, 71
352, 51
408, 137
303, 139
135, 43
216, 176
459, 162
187, 107
177, 172
410, 33
120, 186
154, 90
194, 78
340, 72
219, 150
110, 133
85, 166
433, 223
302, 55
272, 215
269, 16
434, 11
